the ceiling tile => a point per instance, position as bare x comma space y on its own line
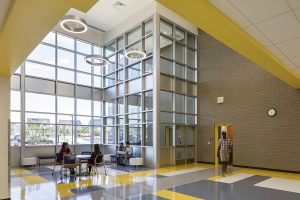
254, 32
296, 61
4, 7
258, 10
231, 12
294, 3
276, 52
297, 12
291, 48
280, 28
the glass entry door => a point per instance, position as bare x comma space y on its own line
185, 144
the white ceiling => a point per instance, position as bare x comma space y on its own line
273, 23
106, 15
4, 7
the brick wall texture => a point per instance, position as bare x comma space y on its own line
249, 92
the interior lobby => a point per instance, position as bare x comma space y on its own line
136, 99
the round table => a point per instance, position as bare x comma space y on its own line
79, 158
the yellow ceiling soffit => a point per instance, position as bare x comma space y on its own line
27, 23
215, 23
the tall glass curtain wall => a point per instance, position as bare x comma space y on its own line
178, 90
57, 97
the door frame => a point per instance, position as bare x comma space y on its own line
216, 141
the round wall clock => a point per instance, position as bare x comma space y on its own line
272, 112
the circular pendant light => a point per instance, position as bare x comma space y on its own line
73, 24
135, 53
96, 60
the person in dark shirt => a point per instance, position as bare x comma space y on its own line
96, 153
65, 150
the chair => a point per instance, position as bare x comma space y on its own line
57, 162
85, 153
98, 162
69, 162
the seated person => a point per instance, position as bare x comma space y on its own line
96, 153
128, 153
64, 151
121, 148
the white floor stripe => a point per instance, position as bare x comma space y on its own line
184, 171
281, 184
234, 178
142, 179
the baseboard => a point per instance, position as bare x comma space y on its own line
205, 162
269, 169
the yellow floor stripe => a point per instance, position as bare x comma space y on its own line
34, 179
167, 194
20, 171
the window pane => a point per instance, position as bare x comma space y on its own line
149, 45
84, 79
121, 134
39, 134
83, 107
65, 134
66, 119
39, 118
134, 118
179, 71
166, 117
97, 108
134, 136
166, 49
83, 47
190, 60
39, 102
65, 42
50, 38
121, 43
191, 105
191, 40
134, 35
166, 101
15, 134
65, 105
179, 50
190, 73
98, 135
134, 103
109, 80
134, 71
37, 70
15, 117
149, 135
15, 100
166, 28
65, 59
98, 81
148, 117
135, 46
148, 66
82, 65
110, 49
121, 59
166, 66
109, 108
148, 100
44, 54
84, 120
120, 103
110, 135
179, 103
65, 75
84, 134
148, 27
179, 35
120, 76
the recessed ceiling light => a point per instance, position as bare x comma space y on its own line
73, 24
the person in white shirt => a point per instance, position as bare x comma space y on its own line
128, 153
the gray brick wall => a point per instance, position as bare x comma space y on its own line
249, 91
